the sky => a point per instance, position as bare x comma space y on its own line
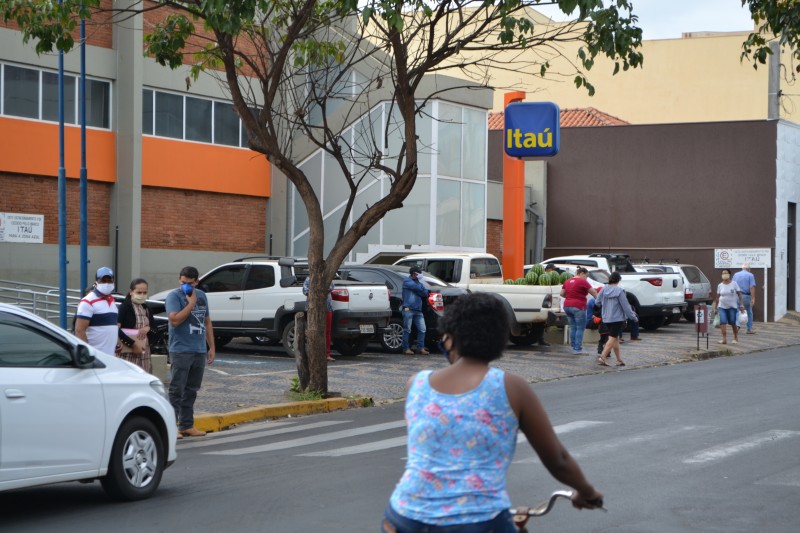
667, 19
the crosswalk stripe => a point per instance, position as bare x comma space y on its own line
215, 441
602, 448
723, 451
360, 448
569, 427
313, 439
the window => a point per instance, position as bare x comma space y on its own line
485, 268
169, 115
198, 119
444, 269
24, 346
147, 112
368, 277
226, 279
20, 92
448, 213
260, 277
226, 124
31, 93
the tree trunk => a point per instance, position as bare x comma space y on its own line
300, 354
315, 337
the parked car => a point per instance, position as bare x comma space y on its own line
441, 295
71, 413
696, 286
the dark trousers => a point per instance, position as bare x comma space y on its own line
187, 376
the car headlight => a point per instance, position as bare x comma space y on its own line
158, 386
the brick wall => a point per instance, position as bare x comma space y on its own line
38, 195
198, 220
171, 218
494, 238
99, 30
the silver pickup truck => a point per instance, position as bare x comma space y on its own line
258, 297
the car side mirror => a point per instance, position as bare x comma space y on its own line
82, 357
288, 281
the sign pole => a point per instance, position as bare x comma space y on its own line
765, 295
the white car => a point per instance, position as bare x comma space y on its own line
71, 413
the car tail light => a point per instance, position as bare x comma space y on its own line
547, 303
688, 294
436, 301
340, 295
654, 281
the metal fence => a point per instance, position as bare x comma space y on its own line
41, 300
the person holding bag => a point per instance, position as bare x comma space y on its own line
615, 309
135, 321
728, 293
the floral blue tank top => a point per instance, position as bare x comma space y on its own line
459, 449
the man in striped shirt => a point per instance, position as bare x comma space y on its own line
96, 318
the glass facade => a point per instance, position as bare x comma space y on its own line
446, 209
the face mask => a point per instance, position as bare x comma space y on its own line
187, 288
726, 276
138, 298
105, 288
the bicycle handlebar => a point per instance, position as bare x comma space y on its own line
522, 514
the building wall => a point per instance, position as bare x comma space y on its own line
494, 238
788, 190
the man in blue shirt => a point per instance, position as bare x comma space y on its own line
191, 346
747, 283
414, 296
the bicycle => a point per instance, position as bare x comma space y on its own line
521, 515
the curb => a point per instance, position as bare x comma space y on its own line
214, 422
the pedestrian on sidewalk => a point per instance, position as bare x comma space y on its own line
574, 292
615, 309
463, 422
747, 284
191, 346
728, 295
135, 321
96, 316
414, 296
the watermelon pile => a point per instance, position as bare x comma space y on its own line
537, 276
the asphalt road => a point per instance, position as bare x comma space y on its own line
708, 446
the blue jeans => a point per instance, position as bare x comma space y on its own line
577, 323
187, 376
415, 318
502, 523
747, 307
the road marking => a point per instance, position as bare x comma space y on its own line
314, 439
360, 448
211, 369
224, 439
718, 453
569, 427
613, 445
786, 478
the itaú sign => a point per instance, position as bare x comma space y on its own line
532, 129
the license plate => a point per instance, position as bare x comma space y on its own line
367, 328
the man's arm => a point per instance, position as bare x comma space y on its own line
80, 329
176, 318
212, 349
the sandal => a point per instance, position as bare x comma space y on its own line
620, 363
722, 342
601, 362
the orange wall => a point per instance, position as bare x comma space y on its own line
205, 167
31, 147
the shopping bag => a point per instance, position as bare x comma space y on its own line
716, 320
742, 318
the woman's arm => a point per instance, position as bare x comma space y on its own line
535, 424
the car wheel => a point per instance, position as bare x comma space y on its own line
524, 340
137, 461
219, 342
264, 341
351, 347
287, 338
392, 337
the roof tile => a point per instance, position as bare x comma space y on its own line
570, 118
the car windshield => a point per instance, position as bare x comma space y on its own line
600, 276
430, 280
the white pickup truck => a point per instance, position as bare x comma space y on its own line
530, 307
258, 297
657, 298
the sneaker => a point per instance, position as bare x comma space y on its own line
179, 435
544, 343
193, 432
409, 352
636, 338
576, 352
423, 351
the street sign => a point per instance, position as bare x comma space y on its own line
533, 129
735, 257
21, 227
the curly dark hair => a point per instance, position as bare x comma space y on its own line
478, 324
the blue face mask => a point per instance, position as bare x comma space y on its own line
187, 288
445, 351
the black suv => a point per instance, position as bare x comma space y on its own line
441, 294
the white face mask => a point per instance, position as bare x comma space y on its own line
138, 298
105, 288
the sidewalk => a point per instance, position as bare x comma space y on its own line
227, 399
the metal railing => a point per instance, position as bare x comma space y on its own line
41, 300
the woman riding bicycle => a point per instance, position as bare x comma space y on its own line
462, 431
